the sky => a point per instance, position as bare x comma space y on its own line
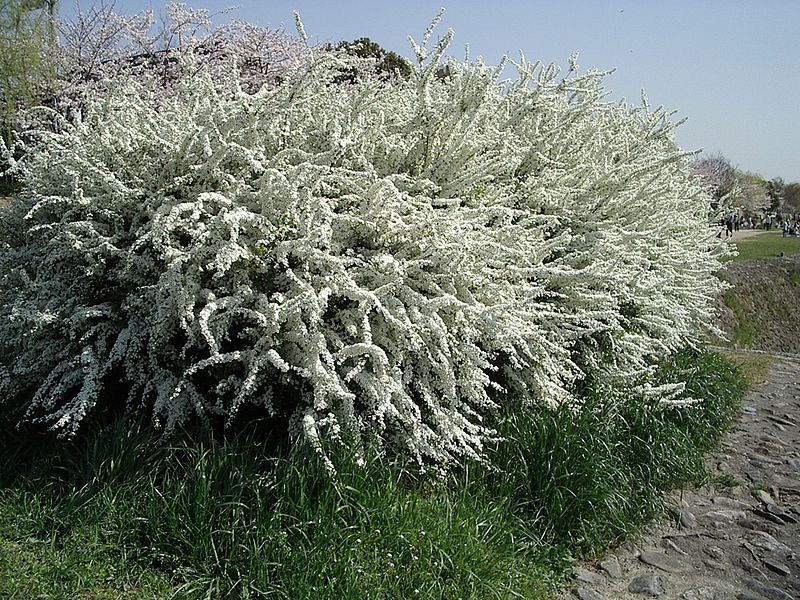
731, 67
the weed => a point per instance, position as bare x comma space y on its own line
723, 481
755, 367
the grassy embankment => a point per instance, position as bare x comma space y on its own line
115, 514
765, 298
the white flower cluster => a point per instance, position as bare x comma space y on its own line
368, 261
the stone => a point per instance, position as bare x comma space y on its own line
647, 583
676, 501
776, 567
587, 594
770, 444
714, 552
789, 485
587, 576
780, 513
753, 475
725, 502
754, 524
664, 562
629, 547
703, 593
765, 541
683, 517
725, 515
763, 497
611, 567
753, 569
782, 421
768, 591
686, 519
669, 545
751, 549
715, 565
772, 518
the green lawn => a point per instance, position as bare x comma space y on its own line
771, 243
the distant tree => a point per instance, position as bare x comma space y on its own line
716, 174
26, 67
775, 193
744, 190
791, 195
752, 195
101, 46
384, 63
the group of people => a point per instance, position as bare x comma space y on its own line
733, 222
790, 227
788, 224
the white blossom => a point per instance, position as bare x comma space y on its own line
371, 261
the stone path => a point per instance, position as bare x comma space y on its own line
739, 542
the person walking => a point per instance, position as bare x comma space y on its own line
729, 225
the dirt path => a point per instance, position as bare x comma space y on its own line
725, 543
746, 233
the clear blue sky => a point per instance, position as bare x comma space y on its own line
731, 66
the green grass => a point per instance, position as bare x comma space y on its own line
755, 367
745, 329
115, 514
766, 245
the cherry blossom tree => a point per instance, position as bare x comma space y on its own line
100, 48
716, 174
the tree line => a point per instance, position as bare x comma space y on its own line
744, 190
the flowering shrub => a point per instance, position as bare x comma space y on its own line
367, 261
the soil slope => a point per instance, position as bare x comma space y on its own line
762, 311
